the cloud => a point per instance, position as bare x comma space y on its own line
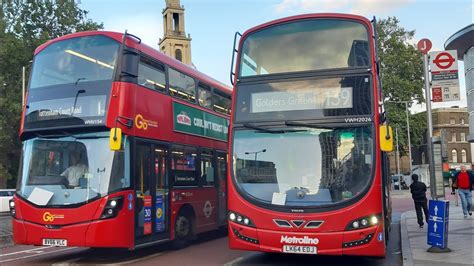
377, 6
310, 5
362, 7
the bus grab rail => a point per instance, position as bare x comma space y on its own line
232, 74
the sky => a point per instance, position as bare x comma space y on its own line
213, 23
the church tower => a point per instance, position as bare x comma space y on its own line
175, 43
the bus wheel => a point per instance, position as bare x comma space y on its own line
387, 234
183, 230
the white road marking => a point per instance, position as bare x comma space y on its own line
35, 255
23, 251
234, 261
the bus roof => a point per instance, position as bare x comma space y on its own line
361, 19
165, 59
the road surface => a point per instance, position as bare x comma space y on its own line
210, 249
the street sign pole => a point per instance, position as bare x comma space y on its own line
430, 127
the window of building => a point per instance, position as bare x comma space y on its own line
221, 101
207, 169
452, 121
454, 156
151, 75
464, 156
179, 55
183, 165
462, 121
463, 136
181, 86
453, 136
205, 96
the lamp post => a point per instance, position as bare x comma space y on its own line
408, 132
256, 153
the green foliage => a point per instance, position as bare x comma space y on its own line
24, 25
402, 72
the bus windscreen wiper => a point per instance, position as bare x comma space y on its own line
261, 129
264, 130
300, 124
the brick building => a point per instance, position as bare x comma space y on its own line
451, 125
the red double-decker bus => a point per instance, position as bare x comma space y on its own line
123, 146
307, 172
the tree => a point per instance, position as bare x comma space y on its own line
402, 72
24, 25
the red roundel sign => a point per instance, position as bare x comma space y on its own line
444, 60
424, 46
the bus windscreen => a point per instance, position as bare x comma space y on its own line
70, 82
313, 44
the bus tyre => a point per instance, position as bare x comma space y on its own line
183, 231
387, 234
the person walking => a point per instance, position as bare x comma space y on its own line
418, 193
464, 182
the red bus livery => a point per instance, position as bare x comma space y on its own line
123, 146
308, 170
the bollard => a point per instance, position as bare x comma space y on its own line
438, 223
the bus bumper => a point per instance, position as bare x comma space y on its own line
100, 233
362, 242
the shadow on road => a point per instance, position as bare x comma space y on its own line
113, 256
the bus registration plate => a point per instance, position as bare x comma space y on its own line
300, 249
54, 242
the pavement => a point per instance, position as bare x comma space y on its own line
6, 238
460, 239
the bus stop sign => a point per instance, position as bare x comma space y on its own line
438, 223
424, 46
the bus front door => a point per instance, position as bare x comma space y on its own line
151, 188
222, 188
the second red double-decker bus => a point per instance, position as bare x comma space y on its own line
123, 146
307, 168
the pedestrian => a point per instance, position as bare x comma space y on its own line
418, 193
464, 182
452, 181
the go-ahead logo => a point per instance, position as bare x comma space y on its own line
299, 240
49, 217
142, 123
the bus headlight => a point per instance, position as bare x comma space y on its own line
363, 222
11, 203
374, 220
240, 219
112, 208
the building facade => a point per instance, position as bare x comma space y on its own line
451, 125
175, 43
451, 128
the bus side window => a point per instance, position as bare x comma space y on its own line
151, 75
183, 166
207, 168
181, 86
205, 96
221, 102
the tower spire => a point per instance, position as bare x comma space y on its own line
175, 43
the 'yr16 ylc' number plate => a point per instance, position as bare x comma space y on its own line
300, 249
54, 242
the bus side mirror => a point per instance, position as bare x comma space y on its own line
115, 140
386, 138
